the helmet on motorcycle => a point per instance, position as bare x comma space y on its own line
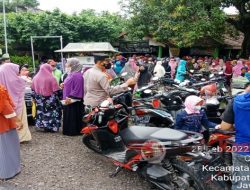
172, 100
209, 89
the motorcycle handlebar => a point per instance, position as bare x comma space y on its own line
187, 89
224, 132
145, 88
114, 97
224, 97
213, 80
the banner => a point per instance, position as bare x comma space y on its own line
174, 52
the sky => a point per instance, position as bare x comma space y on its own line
70, 6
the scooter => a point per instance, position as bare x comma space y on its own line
144, 111
150, 151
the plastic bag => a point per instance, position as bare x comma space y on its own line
33, 109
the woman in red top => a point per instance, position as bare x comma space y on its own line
228, 72
9, 141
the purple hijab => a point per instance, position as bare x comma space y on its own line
44, 83
13, 83
73, 84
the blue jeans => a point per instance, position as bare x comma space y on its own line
239, 181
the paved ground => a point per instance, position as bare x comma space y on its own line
54, 161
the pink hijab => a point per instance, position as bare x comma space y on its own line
173, 64
237, 69
132, 63
13, 83
190, 104
44, 83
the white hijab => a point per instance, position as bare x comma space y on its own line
159, 70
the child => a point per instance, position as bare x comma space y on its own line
193, 118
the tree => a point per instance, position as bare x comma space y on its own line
185, 21
31, 3
87, 26
179, 21
241, 21
17, 5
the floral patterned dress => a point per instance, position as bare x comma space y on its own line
48, 112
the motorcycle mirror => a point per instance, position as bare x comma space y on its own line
211, 76
155, 79
141, 89
124, 74
177, 81
148, 91
186, 82
224, 90
105, 104
220, 73
182, 84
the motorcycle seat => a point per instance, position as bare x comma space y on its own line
141, 134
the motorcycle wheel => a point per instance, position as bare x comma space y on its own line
89, 141
187, 175
206, 179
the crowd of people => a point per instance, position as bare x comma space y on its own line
177, 68
61, 98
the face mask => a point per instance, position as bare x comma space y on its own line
67, 70
107, 66
198, 108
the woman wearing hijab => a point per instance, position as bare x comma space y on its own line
237, 69
24, 74
173, 65
181, 71
16, 87
215, 67
9, 143
144, 77
118, 65
73, 98
66, 73
130, 68
159, 70
46, 95
222, 65
193, 118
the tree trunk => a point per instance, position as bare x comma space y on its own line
245, 53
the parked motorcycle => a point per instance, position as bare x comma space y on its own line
150, 151
145, 111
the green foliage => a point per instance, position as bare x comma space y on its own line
181, 22
21, 60
87, 26
241, 22
19, 5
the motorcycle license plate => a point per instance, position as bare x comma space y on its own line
142, 119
